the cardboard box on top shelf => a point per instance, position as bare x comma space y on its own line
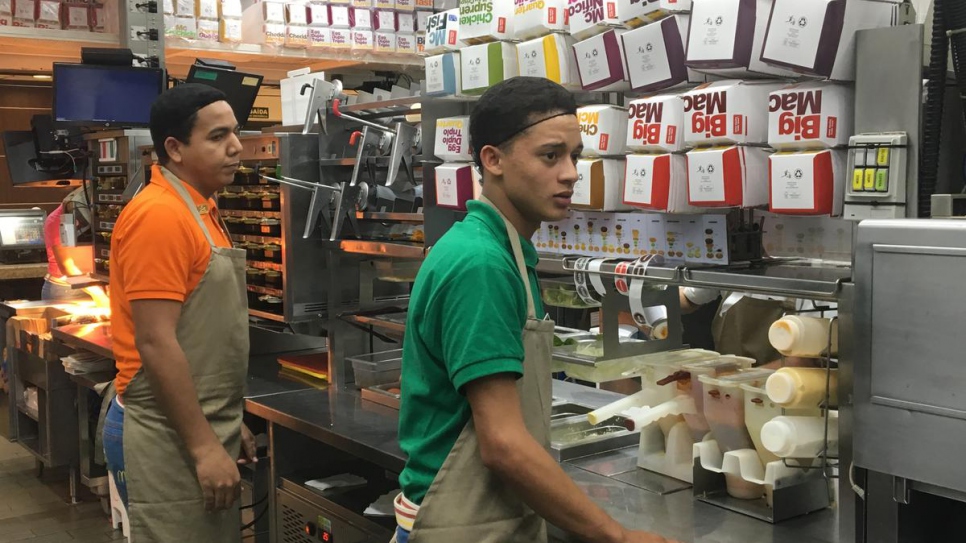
456, 184
231, 9
362, 40
735, 176
188, 8
405, 22
406, 43
818, 37
420, 44
810, 115
318, 15
443, 74
340, 38
484, 21
442, 32
600, 62
384, 42
485, 65
656, 124
207, 9
6, 13
654, 54
167, 7
632, 13
367, 4
603, 129
264, 23
208, 30
296, 37
729, 111
808, 182
421, 20
99, 16
361, 19
183, 27
453, 139
535, 18
77, 16
588, 18
658, 182
405, 5
600, 185
49, 14
25, 13
675, 6
339, 2
340, 17
319, 37
550, 57
297, 14
425, 4
726, 38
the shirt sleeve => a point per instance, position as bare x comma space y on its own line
482, 324
155, 256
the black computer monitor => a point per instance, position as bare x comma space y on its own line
240, 88
20, 151
105, 96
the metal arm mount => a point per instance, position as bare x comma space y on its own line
322, 195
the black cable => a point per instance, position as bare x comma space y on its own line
259, 502
255, 521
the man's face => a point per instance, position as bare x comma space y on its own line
539, 168
211, 156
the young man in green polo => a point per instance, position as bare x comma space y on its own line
476, 387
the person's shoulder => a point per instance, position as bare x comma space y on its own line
153, 208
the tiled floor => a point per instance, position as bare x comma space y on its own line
37, 510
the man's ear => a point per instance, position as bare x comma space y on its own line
491, 160
173, 147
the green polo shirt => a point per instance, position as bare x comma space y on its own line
466, 317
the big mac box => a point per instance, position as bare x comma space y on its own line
658, 182
810, 115
656, 124
735, 176
808, 182
729, 111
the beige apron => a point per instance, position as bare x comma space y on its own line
743, 329
166, 504
467, 502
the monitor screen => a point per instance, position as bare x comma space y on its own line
19, 150
106, 96
240, 88
22, 231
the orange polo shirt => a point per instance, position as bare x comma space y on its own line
157, 253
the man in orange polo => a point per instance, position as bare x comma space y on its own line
180, 329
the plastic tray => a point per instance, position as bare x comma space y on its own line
377, 368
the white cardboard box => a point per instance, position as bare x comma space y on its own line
675, 6
319, 37
807, 183
362, 40
384, 42
658, 182
442, 32
587, 18
734, 176
656, 124
632, 13
535, 18
654, 54
603, 129
456, 184
405, 43
550, 57
443, 74
818, 36
453, 139
296, 37
600, 184
318, 15
484, 21
810, 115
729, 111
385, 21
340, 17
340, 38
361, 19
600, 62
485, 65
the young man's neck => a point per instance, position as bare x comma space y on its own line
202, 190
523, 226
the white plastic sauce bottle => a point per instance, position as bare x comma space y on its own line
803, 387
793, 335
800, 437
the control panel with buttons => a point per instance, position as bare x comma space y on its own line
877, 166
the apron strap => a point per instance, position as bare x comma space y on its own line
183, 192
517, 255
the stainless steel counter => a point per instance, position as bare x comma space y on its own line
369, 431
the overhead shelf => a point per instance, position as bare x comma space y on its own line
791, 278
34, 49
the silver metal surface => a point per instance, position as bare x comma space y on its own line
574, 437
383, 248
910, 415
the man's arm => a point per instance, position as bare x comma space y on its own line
510, 451
155, 335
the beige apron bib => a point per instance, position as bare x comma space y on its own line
166, 504
466, 501
743, 329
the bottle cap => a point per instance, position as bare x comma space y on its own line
782, 388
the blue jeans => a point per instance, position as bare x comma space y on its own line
114, 447
54, 292
402, 536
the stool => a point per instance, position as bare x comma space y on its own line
118, 511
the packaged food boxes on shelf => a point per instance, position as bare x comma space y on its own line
404, 22
654, 54
208, 30
340, 38
360, 19
603, 129
733, 176
405, 5
384, 42
318, 15
319, 37
232, 9
25, 13
207, 9
483, 21
186, 8
535, 18
600, 62
482, 66
49, 14
406, 43
600, 183
818, 37
98, 18
550, 57
362, 40
297, 14
230, 30
185, 27
658, 182
442, 32
456, 184
810, 115
656, 124
453, 139
807, 183
632, 13
296, 37
675, 6
77, 16
729, 111
588, 17
340, 17
443, 74
422, 20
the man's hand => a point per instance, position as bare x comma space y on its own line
247, 455
218, 476
644, 537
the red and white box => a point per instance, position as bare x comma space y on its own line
442, 32
484, 21
360, 19
6, 13
406, 43
339, 17
49, 14
319, 37
340, 38
658, 182
656, 124
535, 18
297, 14
600, 184
77, 16
98, 18
384, 42
675, 6
734, 176
632, 13
807, 183
25, 13
296, 37
456, 184
420, 43
600, 62
453, 139
603, 130
588, 17
362, 3
421, 4
726, 112
810, 115
362, 40
318, 15
405, 5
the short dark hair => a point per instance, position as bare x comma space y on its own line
510, 107
174, 113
